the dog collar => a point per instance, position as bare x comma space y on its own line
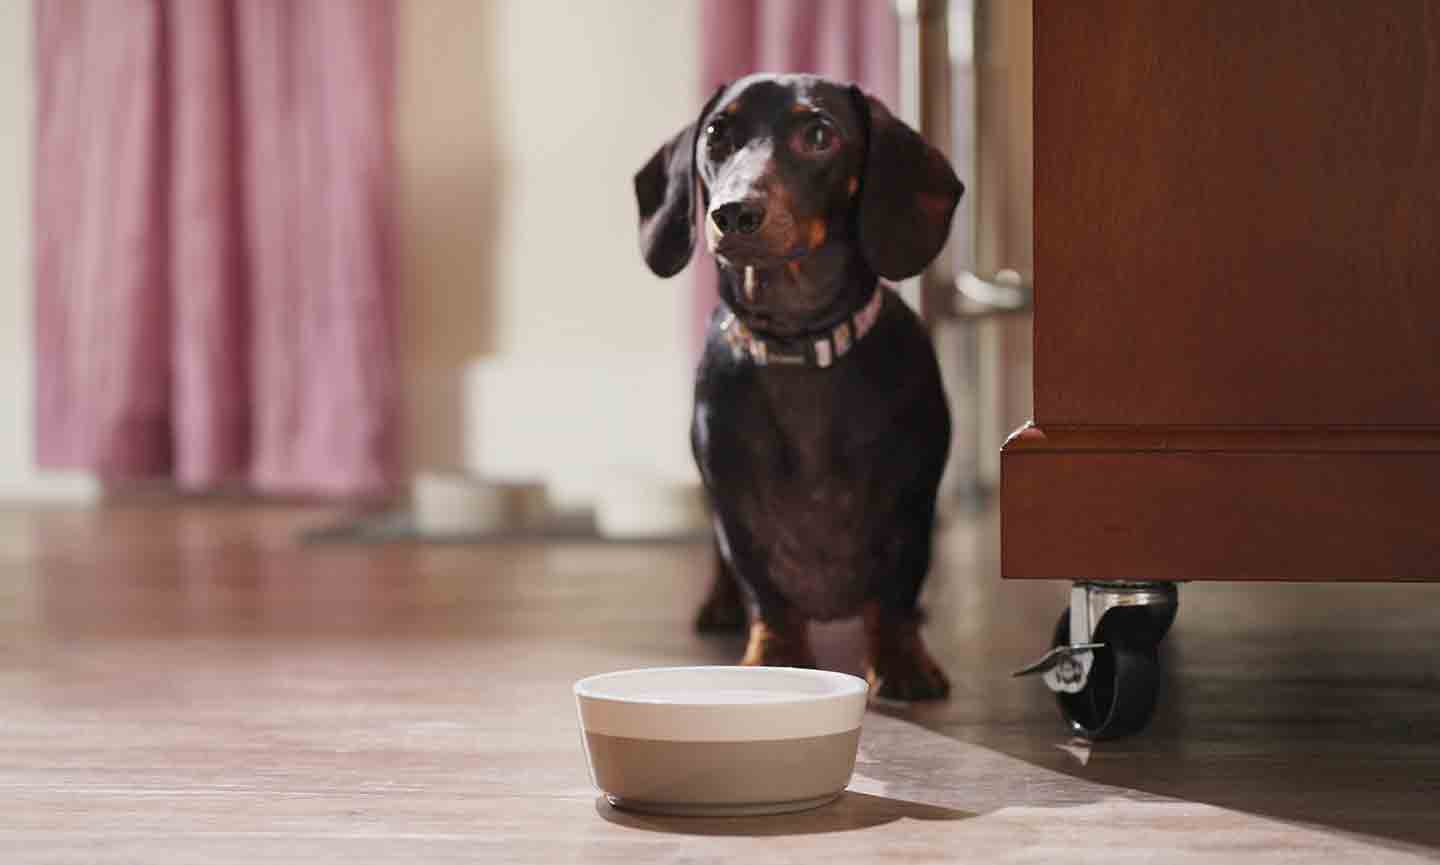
821, 351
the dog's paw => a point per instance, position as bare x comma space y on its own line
769, 648
907, 673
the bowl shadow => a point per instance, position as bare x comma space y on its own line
849, 812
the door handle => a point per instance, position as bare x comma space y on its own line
1006, 293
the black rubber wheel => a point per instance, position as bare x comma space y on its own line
1119, 697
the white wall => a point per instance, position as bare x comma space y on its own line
591, 89
18, 478
521, 125
450, 184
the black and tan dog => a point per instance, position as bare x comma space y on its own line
820, 426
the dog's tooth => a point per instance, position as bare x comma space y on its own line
749, 283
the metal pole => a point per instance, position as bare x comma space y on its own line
925, 104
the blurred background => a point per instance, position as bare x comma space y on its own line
358, 271
364, 251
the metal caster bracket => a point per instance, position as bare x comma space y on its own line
1066, 669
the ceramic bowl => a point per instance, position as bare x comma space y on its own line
721, 740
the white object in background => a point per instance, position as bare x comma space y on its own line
638, 505
461, 504
566, 421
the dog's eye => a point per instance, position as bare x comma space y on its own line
717, 138
814, 138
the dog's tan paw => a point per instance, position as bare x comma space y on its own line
898, 666
909, 675
769, 647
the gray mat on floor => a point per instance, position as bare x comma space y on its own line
399, 527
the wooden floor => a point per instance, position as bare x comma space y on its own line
188, 685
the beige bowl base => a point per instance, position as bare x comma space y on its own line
720, 809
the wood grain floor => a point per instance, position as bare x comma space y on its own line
192, 685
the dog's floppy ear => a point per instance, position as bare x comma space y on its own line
907, 195
665, 191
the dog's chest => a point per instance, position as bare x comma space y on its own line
823, 560
814, 484
814, 441
819, 477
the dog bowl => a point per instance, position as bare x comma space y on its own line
718, 741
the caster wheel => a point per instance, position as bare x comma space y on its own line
1119, 697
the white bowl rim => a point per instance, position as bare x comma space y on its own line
845, 685
687, 715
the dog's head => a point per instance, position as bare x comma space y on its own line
787, 167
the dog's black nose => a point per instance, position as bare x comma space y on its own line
743, 217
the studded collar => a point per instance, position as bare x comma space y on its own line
818, 350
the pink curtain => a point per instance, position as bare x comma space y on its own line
213, 274
849, 40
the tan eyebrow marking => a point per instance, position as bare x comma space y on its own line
732, 107
817, 234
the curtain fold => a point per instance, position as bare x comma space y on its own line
213, 268
849, 40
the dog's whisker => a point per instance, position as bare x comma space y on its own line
750, 284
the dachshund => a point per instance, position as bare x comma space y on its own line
820, 424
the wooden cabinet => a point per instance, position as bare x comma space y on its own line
1237, 293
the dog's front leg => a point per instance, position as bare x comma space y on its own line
779, 637
898, 665
779, 633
